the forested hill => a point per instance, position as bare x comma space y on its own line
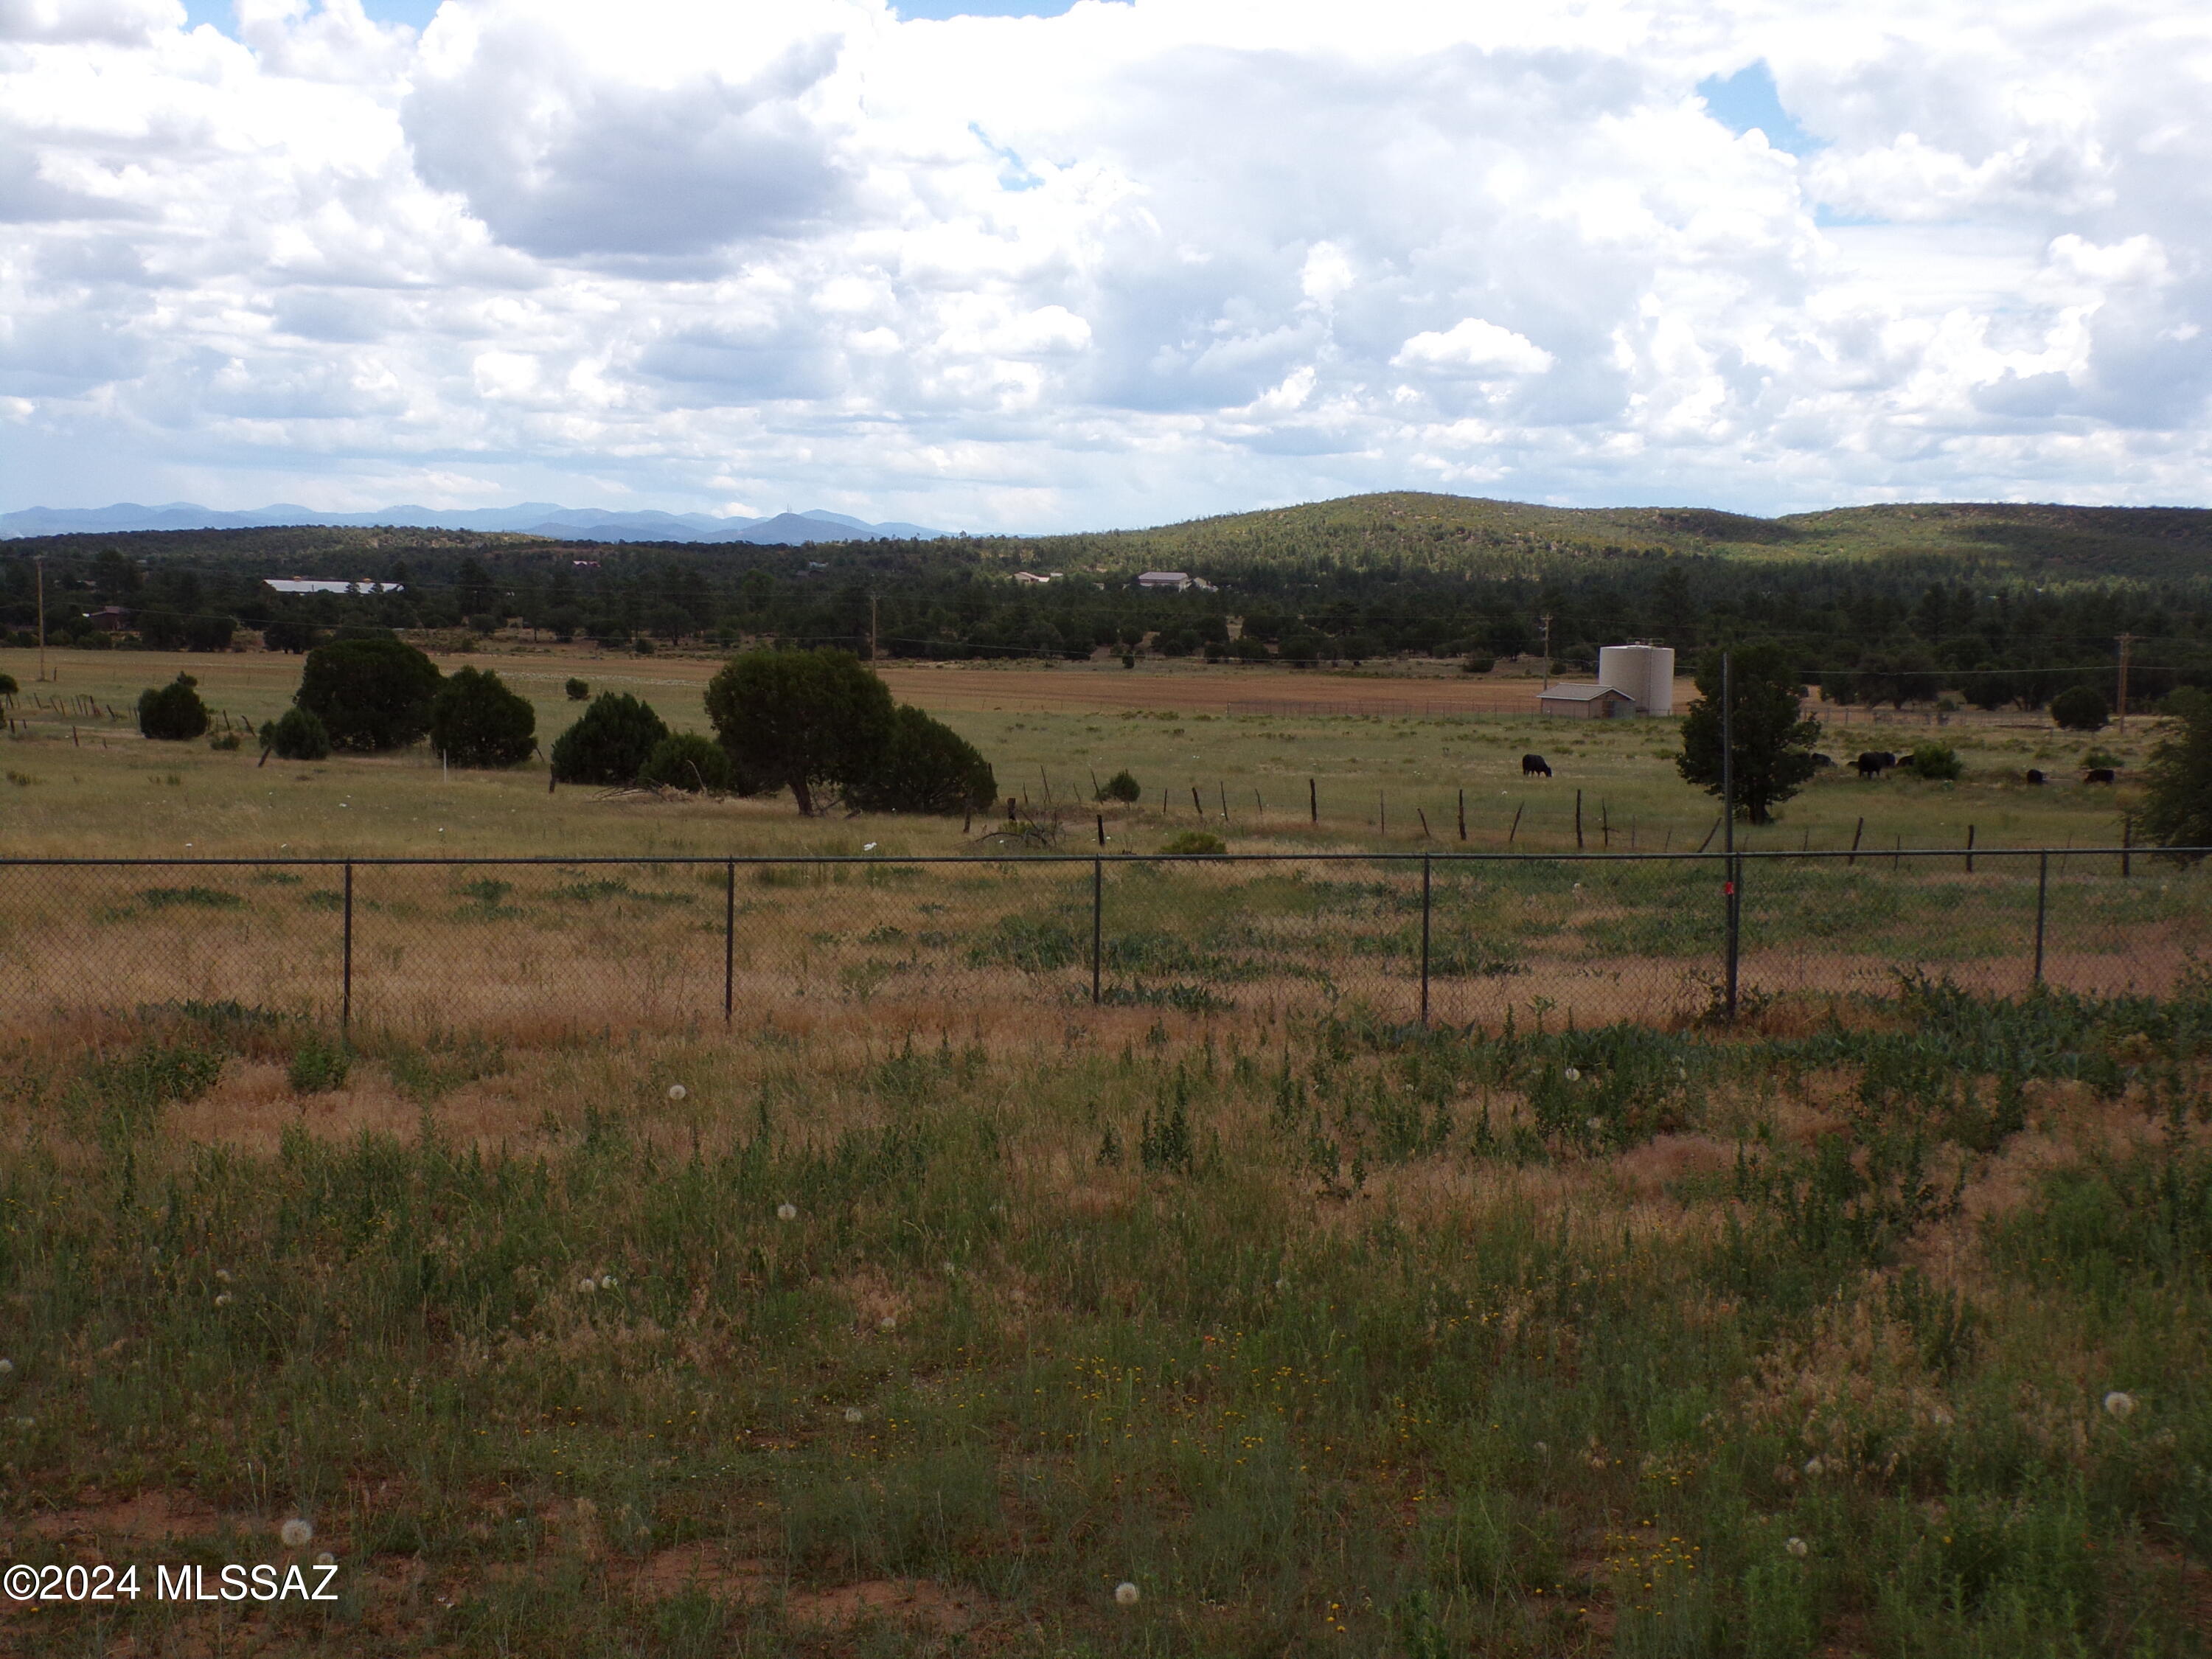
1466, 535
1991, 602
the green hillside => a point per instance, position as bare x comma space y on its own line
1408, 531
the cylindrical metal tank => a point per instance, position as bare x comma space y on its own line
1645, 672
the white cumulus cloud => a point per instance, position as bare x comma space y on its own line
1471, 346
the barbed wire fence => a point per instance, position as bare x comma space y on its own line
1461, 938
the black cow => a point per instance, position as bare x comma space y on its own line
1534, 765
1873, 762
2100, 775
1824, 760
2035, 775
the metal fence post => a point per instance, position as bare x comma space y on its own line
1097, 919
345, 1005
1730, 891
729, 941
2041, 907
1426, 864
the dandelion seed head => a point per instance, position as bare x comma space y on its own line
586, 1285
6, 1366
854, 1414
222, 1275
1797, 1547
887, 1324
608, 1281
1594, 1124
2119, 1404
1574, 1074
223, 1300
326, 1559
676, 1092
1542, 1449
1282, 1284
787, 1213
1815, 1467
1125, 1594
295, 1533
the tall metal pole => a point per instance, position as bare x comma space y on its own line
1727, 825
345, 1007
729, 941
1097, 921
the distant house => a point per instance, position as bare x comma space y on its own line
316, 585
109, 619
1174, 580
1586, 702
1031, 577
583, 564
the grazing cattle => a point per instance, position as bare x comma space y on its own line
1823, 760
2034, 776
1534, 766
1873, 762
2100, 775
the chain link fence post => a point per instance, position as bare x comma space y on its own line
346, 1005
2041, 907
1426, 862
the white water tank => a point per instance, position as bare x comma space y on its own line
1645, 672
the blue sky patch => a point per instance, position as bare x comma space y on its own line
1747, 99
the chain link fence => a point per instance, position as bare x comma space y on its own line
596, 944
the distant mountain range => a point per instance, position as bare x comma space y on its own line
530, 519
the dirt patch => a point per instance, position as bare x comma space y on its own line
913, 1601
1652, 1168
150, 1515
707, 1568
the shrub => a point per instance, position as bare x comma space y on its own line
577, 691
227, 742
2178, 810
806, 719
319, 1067
296, 736
1123, 787
1479, 665
474, 720
8, 686
610, 744
2080, 709
924, 766
370, 694
172, 713
685, 760
1195, 840
1938, 762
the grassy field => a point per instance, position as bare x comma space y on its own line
927, 1303
82, 784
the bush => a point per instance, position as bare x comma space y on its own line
226, 742
924, 766
1938, 762
172, 713
1123, 787
577, 691
685, 760
2080, 710
370, 694
474, 720
1196, 840
804, 720
8, 686
297, 736
2178, 809
610, 744
1479, 665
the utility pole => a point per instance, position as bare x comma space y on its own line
1547, 651
41, 564
2126, 639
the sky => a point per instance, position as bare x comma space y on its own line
1002, 266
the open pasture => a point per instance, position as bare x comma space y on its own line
927, 1301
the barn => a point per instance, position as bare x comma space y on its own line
1586, 702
